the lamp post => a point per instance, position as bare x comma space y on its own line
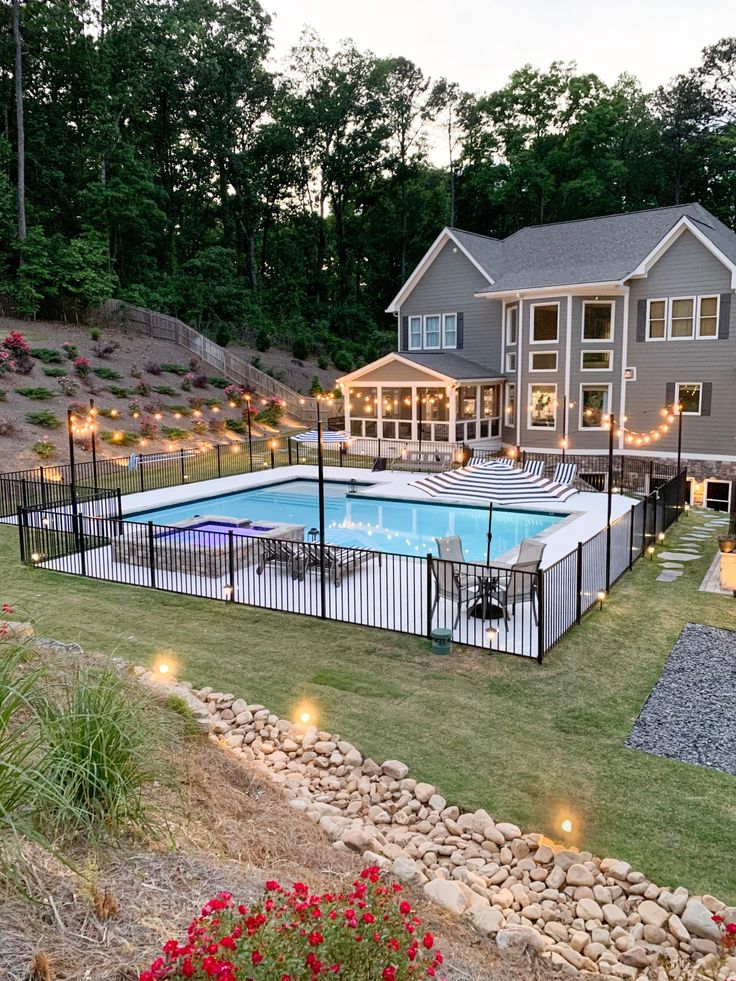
680, 483
321, 480
611, 426
250, 433
94, 442
72, 465
420, 423
564, 427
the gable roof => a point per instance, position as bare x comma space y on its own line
595, 251
447, 366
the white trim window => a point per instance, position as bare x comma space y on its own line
415, 333
596, 360
657, 320
595, 401
690, 396
432, 332
542, 413
542, 361
544, 323
510, 362
709, 308
681, 318
512, 325
597, 321
509, 410
449, 330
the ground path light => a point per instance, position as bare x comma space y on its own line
650, 552
567, 826
600, 597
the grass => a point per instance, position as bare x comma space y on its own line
54, 372
529, 743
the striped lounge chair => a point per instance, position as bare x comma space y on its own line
565, 473
535, 468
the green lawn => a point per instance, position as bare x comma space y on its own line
529, 743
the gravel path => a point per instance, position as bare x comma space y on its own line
689, 714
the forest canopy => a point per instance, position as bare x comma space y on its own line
169, 161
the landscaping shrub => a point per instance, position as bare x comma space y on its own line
95, 333
236, 426
118, 392
119, 438
107, 413
224, 335
44, 418
7, 364
47, 354
153, 368
173, 432
54, 372
135, 371
194, 379
44, 448
3, 395
236, 393
263, 340
217, 426
343, 360
300, 347
199, 427
143, 388
272, 413
174, 369
369, 933
316, 386
323, 362
165, 390
212, 404
107, 373
68, 386
149, 428
81, 366
257, 363
70, 350
181, 410
217, 381
134, 408
39, 394
196, 401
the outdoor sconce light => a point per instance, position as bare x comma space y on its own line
600, 597
313, 534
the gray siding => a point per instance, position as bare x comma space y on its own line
594, 439
686, 269
448, 287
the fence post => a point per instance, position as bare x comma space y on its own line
82, 553
140, 471
644, 517
231, 565
151, 554
540, 615
632, 512
579, 584
181, 463
651, 476
43, 487
429, 562
21, 536
288, 445
24, 492
219, 462
120, 511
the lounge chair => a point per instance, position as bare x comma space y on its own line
520, 583
565, 473
535, 468
459, 588
339, 560
289, 554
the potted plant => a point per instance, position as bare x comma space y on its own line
727, 542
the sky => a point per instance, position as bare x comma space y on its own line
477, 43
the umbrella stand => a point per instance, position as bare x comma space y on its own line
489, 534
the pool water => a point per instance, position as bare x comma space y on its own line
405, 527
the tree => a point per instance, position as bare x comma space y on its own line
19, 122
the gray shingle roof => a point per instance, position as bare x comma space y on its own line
590, 250
452, 365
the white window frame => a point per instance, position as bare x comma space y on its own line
542, 371
553, 427
514, 308
670, 301
650, 301
532, 308
607, 411
443, 335
509, 418
432, 347
679, 385
416, 347
599, 303
718, 480
609, 352
510, 368
707, 296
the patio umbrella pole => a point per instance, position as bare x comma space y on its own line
489, 535
321, 479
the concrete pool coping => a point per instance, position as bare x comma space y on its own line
581, 516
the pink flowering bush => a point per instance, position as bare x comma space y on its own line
70, 350
6, 363
81, 366
18, 353
370, 932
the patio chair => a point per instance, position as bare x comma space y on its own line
535, 468
339, 560
520, 584
290, 554
565, 473
456, 587
450, 548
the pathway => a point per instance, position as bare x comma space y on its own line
689, 545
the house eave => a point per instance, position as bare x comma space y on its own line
613, 286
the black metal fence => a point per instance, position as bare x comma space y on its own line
487, 606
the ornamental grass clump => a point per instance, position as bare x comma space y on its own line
368, 932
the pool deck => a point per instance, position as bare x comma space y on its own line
582, 516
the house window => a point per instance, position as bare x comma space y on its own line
415, 333
596, 360
433, 403
510, 362
449, 330
397, 403
363, 403
594, 401
467, 402
512, 323
543, 361
682, 317
432, 331
656, 320
510, 407
597, 321
708, 316
544, 322
689, 396
542, 406
489, 401
717, 494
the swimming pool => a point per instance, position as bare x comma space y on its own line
405, 527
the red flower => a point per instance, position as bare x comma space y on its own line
368, 918
272, 884
404, 907
428, 941
7, 608
389, 973
731, 928
256, 957
315, 938
716, 918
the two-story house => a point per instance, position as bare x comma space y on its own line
533, 341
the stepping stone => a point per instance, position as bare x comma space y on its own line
672, 565
678, 556
668, 575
